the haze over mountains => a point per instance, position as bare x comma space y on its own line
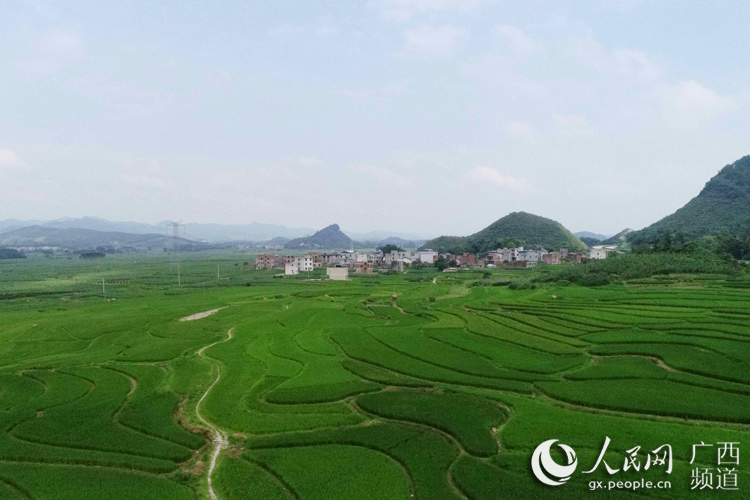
93, 232
78, 239
723, 206
252, 232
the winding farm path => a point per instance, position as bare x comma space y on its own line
219, 438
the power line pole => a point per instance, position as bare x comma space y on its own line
103, 293
179, 282
218, 276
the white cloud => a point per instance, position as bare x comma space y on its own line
688, 104
519, 129
373, 93
433, 41
151, 177
493, 176
636, 65
520, 44
146, 181
693, 96
572, 124
403, 10
383, 175
51, 52
10, 161
60, 42
284, 30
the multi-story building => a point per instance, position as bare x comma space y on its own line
466, 259
597, 253
551, 258
317, 259
575, 257
364, 267
394, 255
531, 255
427, 256
266, 261
375, 257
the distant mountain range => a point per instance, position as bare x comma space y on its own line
590, 235
79, 239
723, 206
516, 229
253, 232
91, 232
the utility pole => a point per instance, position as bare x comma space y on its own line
103, 293
179, 281
218, 276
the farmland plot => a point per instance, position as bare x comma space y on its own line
332, 390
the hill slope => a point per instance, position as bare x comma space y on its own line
619, 238
516, 229
329, 238
722, 206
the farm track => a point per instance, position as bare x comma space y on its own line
219, 439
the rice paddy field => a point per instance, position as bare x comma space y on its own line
301, 388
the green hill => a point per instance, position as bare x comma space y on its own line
328, 238
723, 206
516, 229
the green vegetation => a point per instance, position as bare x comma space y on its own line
617, 268
722, 207
516, 229
331, 390
390, 248
11, 253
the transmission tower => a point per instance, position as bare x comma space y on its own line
174, 228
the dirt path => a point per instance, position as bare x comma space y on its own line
219, 438
202, 315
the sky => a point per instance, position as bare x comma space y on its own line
422, 116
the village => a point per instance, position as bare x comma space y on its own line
338, 264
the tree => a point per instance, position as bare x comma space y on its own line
390, 248
441, 263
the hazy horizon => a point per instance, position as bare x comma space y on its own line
428, 117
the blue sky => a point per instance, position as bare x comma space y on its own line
422, 116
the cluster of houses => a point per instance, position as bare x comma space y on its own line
520, 257
338, 263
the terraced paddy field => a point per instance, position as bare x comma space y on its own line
294, 388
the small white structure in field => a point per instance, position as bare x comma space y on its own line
338, 273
